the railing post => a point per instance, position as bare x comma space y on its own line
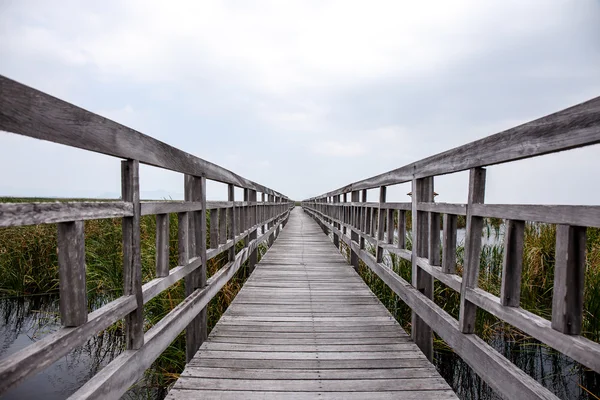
345, 218
512, 265
364, 223
71, 273
381, 223
231, 225
355, 225
449, 245
337, 217
422, 191
132, 264
569, 271
196, 331
472, 256
162, 245
253, 258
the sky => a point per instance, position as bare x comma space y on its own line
305, 96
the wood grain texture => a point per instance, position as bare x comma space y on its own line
32, 113
569, 272
132, 263
574, 127
20, 214
550, 214
162, 245
472, 249
303, 343
422, 192
512, 265
503, 376
71, 273
449, 244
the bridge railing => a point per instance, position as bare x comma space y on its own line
28, 112
356, 221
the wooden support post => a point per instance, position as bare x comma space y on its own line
336, 238
183, 229
132, 264
231, 226
253, 258
449, 245
214, 228
355, 225
422, 190
512, 265
434, 238
363, 226
401, 229
196, 331
569, 271
222, 239
71, 273
271, 215
468, 310
162, 245
345, 214
381, 223
390, 226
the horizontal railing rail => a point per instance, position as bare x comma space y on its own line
32, 113
355, 221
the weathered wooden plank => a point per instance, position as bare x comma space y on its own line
570, 128
422, 192
71, 272
443, 208
550, 214
32, 113
132, 264
512, 265
191, 394
569, 272
449, 245
162, 245
214, 228
472, 250
162, 207
20, 214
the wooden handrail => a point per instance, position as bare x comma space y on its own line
32, 113
354, 223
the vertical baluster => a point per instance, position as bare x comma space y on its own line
162, 245
345, 213
196, 331
390, 226
364, 219
401, 229
336, 238
381, 223
132, 265
569, 271
512, 265
472, 250
214, 228
434, 238
253, 259
353, 233
71, 273
449, 245
231, 220
422, 190
222, 226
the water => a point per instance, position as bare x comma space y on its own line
25, 321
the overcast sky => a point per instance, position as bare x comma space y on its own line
305, 96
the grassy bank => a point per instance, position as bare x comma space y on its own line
29, 267
536, 296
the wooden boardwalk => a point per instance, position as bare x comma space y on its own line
305, 325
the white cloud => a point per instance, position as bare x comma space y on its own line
339, 149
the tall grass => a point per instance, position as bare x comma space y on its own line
536, 297
29, 267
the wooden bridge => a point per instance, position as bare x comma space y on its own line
304, 325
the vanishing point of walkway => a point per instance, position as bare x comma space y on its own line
305, 325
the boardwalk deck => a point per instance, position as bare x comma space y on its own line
305, 325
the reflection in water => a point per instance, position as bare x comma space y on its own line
25, 321
564, 377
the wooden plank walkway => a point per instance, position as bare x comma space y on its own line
305, 325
